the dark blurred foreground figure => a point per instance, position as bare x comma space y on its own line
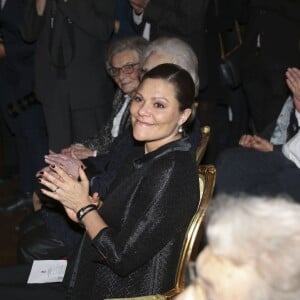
133, 239
25, 117
253, 251
70, 77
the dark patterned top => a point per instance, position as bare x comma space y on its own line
103, 140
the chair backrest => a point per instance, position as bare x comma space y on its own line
200, 151
194, 233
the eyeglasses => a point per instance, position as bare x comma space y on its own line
127, 69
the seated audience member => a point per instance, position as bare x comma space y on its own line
123, 60
287, 123
133, 240
123, 64
252, 252
58, 229
264, 171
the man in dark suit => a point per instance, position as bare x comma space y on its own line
71, 81
16, 81
184, 19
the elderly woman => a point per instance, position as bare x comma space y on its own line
122, 63
252, 253
123, 59
132, 243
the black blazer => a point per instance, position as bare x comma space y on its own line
83, 27
148, 209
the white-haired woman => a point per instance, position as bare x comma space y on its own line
253, 251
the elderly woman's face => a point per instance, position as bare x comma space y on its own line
126, 65
219, 279
155, 114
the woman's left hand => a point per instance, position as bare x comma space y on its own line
72, 194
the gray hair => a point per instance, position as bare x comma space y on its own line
135, 43
263, 230
181, 54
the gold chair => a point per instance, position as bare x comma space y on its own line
200, 151
194, 233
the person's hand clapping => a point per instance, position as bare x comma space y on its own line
78, 151
293, 82
70, 192
69, 164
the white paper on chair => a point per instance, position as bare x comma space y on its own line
46, 271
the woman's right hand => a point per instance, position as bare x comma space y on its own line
66, 189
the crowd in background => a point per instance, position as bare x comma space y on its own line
70, 69
81, 89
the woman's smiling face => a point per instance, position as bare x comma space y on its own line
155, 114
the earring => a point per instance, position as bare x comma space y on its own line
180, 129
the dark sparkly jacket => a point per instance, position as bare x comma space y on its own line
103, 139
148, 210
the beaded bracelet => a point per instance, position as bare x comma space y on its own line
85, 210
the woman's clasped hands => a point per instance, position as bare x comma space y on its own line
73, 194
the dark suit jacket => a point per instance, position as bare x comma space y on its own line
82, 28
184, 19
278, 23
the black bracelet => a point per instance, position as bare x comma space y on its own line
84, 210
